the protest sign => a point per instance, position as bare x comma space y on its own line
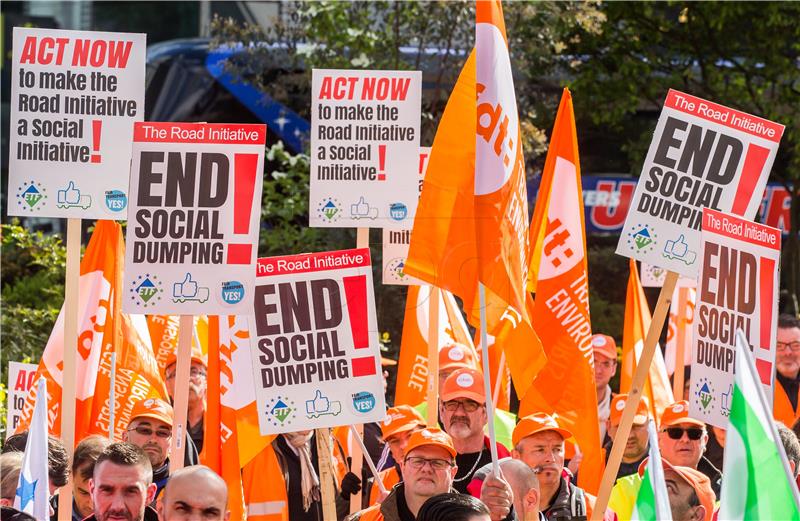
364, 148
75, 96
652, 276
193, 218
702, 155
737, 288
395, 242
20, 380
317, 360
679, 328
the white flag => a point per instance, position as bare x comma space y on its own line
33, 488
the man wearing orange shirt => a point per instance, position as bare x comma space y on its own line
787, 365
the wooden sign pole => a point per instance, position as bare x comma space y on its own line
432, 398
112, 397
183, 367
634, 395
680, 340
326, 474
71, 284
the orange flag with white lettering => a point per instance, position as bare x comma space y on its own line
163, 330
412, 366
102, 329
637, 321
471, 223
565, 386
221, 446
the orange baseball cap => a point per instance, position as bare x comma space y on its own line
536, 423
154, 408
387, 362
618, 405
696, 479
431, 436
464, 383
456, 356
676, 414
197, 356
402, 418
604, 345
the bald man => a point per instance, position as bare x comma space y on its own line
195, 492
522, 481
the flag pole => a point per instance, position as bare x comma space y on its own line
432, 398
183, 367
112, 396
71, 284
498, 384
680, 321
370, 464
326, 474
487, 383
357, 431
635, 394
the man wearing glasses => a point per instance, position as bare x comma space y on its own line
787, 364
198, 385
428, 467
463, 413
150, 429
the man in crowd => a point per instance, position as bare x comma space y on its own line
83, 462
198, 385
10, 467
518, 482
150, 428
463, 413
400, 423
57, 458
195, 492
787, 365
791, 446
428, 467
539, 442
452, 357
605, 367
690, 494
637, 446
122, 485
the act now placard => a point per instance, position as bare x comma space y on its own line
703, 155
20, 381
316, 356
193, 218
364, 148
737, 288
75, 96
396, 242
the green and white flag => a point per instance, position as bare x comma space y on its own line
757, 484
652, 502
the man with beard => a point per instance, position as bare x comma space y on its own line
637, 445
463, 413
150, 428
121, 486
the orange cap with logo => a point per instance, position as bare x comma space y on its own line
456, 356
618, 405
402, 418
604, 345
153, 408
676, 414
464, 383
431, 436
197, 356
536, 423
696, 479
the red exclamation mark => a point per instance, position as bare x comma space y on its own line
355, 290
245, 170
766, 295
381, 162
97, 128
751, 171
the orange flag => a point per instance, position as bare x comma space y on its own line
102, 329
498, 369
565, 386
471, 223
221, 447
163, 330
637, 321
412, 367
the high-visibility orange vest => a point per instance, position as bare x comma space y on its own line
782, 408
389, 477
265, 488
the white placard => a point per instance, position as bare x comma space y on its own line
737, 287
75, 96
364, 148
193, 218
396, 242
702, 155
20, 380
316, 356
653, 276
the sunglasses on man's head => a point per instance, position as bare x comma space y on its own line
676, 433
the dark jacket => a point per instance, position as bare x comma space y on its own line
569, 503
12, 514
714, 475
390, 509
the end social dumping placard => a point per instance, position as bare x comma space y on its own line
316, 357
703, 155
364, 148
737, 288
75, 96
193, 219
